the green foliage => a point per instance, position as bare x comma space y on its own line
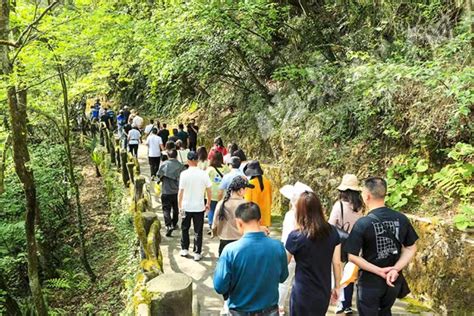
404, 178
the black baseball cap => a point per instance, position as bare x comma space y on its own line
240, 182
192, 155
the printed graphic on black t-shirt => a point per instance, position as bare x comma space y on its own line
369, 239
385, 245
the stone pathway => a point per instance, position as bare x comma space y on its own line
201, 272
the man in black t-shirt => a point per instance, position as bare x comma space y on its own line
193, 131
164, 133
381, 244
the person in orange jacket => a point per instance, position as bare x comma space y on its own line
262, 193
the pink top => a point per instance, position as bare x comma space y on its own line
350, 217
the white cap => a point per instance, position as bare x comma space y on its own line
293, 192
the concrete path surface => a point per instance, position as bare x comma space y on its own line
201, 272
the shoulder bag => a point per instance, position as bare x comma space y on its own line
343, 234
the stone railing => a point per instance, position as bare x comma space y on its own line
155, 292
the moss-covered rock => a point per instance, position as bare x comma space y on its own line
441, 273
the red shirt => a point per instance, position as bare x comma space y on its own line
213, 150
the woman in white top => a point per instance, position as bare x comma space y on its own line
182, 152
345, 212
134, 138
291, 192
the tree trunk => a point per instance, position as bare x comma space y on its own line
21, 158
3, 163
72, 175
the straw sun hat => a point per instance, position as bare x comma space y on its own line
349, 182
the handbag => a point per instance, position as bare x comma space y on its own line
343, 234
404, 288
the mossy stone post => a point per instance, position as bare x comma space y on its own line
130, 167
139, 184
117, 152
123, 162
101, 136
106, 138
171, 294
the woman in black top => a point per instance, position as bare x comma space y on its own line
315, 244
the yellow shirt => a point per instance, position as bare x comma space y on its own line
262, 198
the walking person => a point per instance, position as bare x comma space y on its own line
164, 133
249, 270
216, 172
231, 147
345, 212
217, 147
134, 138
193, 183
168, 175
193, 130
138, 121
126, 113
227, 179
387, 240
224, 224
203, 163
148, 128
291, 192
262, 193
243, 158
315, 245
182, 135
155, 146
182, 152
121, 121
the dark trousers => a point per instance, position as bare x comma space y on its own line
373, 301
154, 165
222, 244
192, 145
348, 291
170, 202
133, 149
198, 224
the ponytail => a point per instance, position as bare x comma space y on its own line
221, 213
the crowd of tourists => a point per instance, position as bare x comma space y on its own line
317, 260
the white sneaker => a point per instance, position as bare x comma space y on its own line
183, 253
197, 256
225, 308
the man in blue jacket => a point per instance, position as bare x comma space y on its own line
249, 270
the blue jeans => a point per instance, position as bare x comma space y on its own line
210, 215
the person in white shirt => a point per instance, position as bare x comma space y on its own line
193, 182
182, 152
138, 121
155, 146
134, 138
291, 192
148, 128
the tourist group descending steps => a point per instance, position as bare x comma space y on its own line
316, 260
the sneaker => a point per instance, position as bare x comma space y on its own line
281, 311
339, 309
184, 253
209, 232
169, 230
197, 256
348, 311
